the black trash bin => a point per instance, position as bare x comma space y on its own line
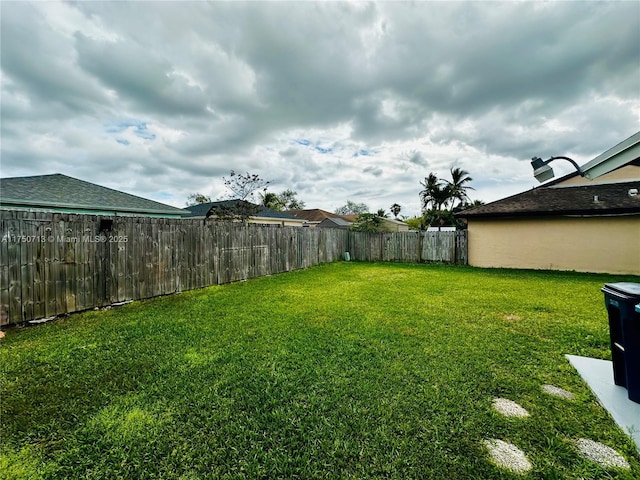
624, 331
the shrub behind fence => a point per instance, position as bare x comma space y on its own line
52, 264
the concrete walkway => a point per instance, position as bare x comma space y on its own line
599, 376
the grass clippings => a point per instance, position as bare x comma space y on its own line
509, 408
507, 455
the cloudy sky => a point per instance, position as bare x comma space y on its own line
338, 101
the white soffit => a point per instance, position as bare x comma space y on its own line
615, 157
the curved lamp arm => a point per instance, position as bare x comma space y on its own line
543, 172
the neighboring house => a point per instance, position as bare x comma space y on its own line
321, 218
264, 215
335, 222
441, 229
315, 216
567, 224
393, 225
60, 193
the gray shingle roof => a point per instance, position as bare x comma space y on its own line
201, 210
601, 199
335, 222
315, 215
59, 191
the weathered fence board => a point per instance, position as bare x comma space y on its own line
52, 263
4, 275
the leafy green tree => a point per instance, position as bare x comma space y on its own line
382, 213
439, 218
368, 222
290, 200
415, 223
352, 208
271, 200
286, 200
197, 198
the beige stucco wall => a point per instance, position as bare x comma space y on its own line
283, 222
276, 221
589, 244
628, 173
395, 225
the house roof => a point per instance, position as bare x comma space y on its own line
630, 169
201, 210
335, 221
590, 200
315, 215
613, 158
59, 192
395, 221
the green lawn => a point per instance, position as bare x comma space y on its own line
345, 370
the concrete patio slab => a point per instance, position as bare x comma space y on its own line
598, 374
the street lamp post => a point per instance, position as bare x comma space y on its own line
543, 172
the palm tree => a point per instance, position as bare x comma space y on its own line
430, 184
395, 209
271, 200
459, 178
435, 198
441, 194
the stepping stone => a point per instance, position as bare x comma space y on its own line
600, 453
509, 408
508, 456
558, 392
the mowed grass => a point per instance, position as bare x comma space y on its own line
345, 370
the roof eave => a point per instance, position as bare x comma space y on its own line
38, 204
616, 157
558, 213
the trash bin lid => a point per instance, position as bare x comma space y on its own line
627, 288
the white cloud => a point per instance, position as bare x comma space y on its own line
337, 100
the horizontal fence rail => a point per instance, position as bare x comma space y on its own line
52, 263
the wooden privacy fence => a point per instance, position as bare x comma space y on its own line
53, 263
446, 247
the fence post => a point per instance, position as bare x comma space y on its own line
170, 255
